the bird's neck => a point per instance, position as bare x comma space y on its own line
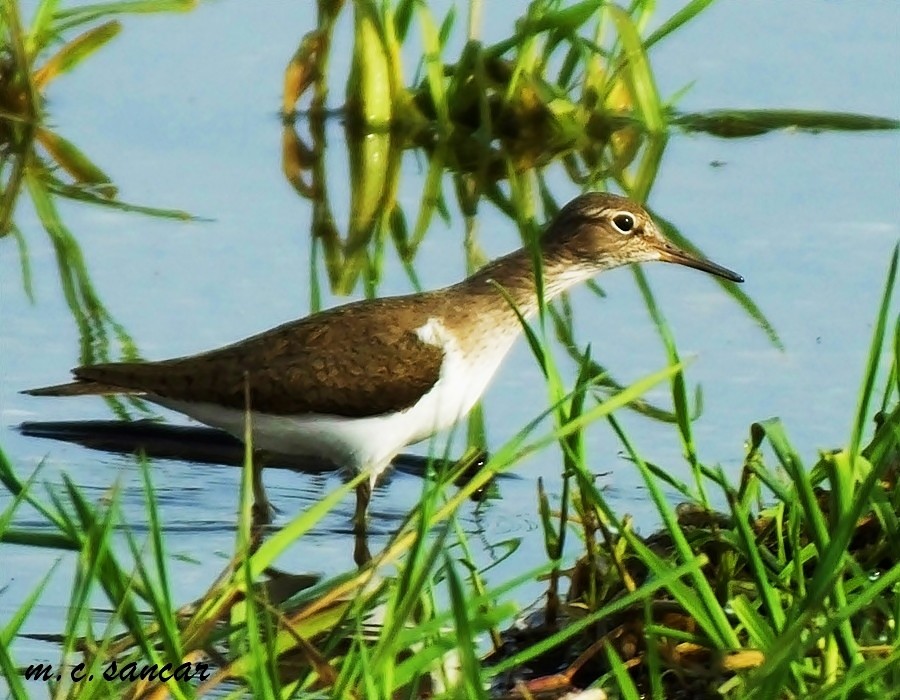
515, 273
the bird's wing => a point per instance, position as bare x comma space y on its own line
353, 361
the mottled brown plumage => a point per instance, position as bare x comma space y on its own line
345, 362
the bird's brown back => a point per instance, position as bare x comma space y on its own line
357, 360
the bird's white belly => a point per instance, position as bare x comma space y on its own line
355, 443
368, 443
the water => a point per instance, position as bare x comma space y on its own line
181, 111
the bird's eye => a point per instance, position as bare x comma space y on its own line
624, 222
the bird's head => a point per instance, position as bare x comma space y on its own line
602, 230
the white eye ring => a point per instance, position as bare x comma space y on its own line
624, 222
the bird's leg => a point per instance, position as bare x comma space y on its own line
361, 554
363, 495
262, 509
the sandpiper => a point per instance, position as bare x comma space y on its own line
355, 384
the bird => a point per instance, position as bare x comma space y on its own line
355, 384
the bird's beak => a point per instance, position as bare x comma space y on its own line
672, 254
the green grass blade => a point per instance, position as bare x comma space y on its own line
76, 51
470, 665
624, 683
878, 336
24, 262
679, 386
434, 67
758, 628
637, 72
9, 631
684, 15
42, 30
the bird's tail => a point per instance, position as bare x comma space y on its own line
78, 388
